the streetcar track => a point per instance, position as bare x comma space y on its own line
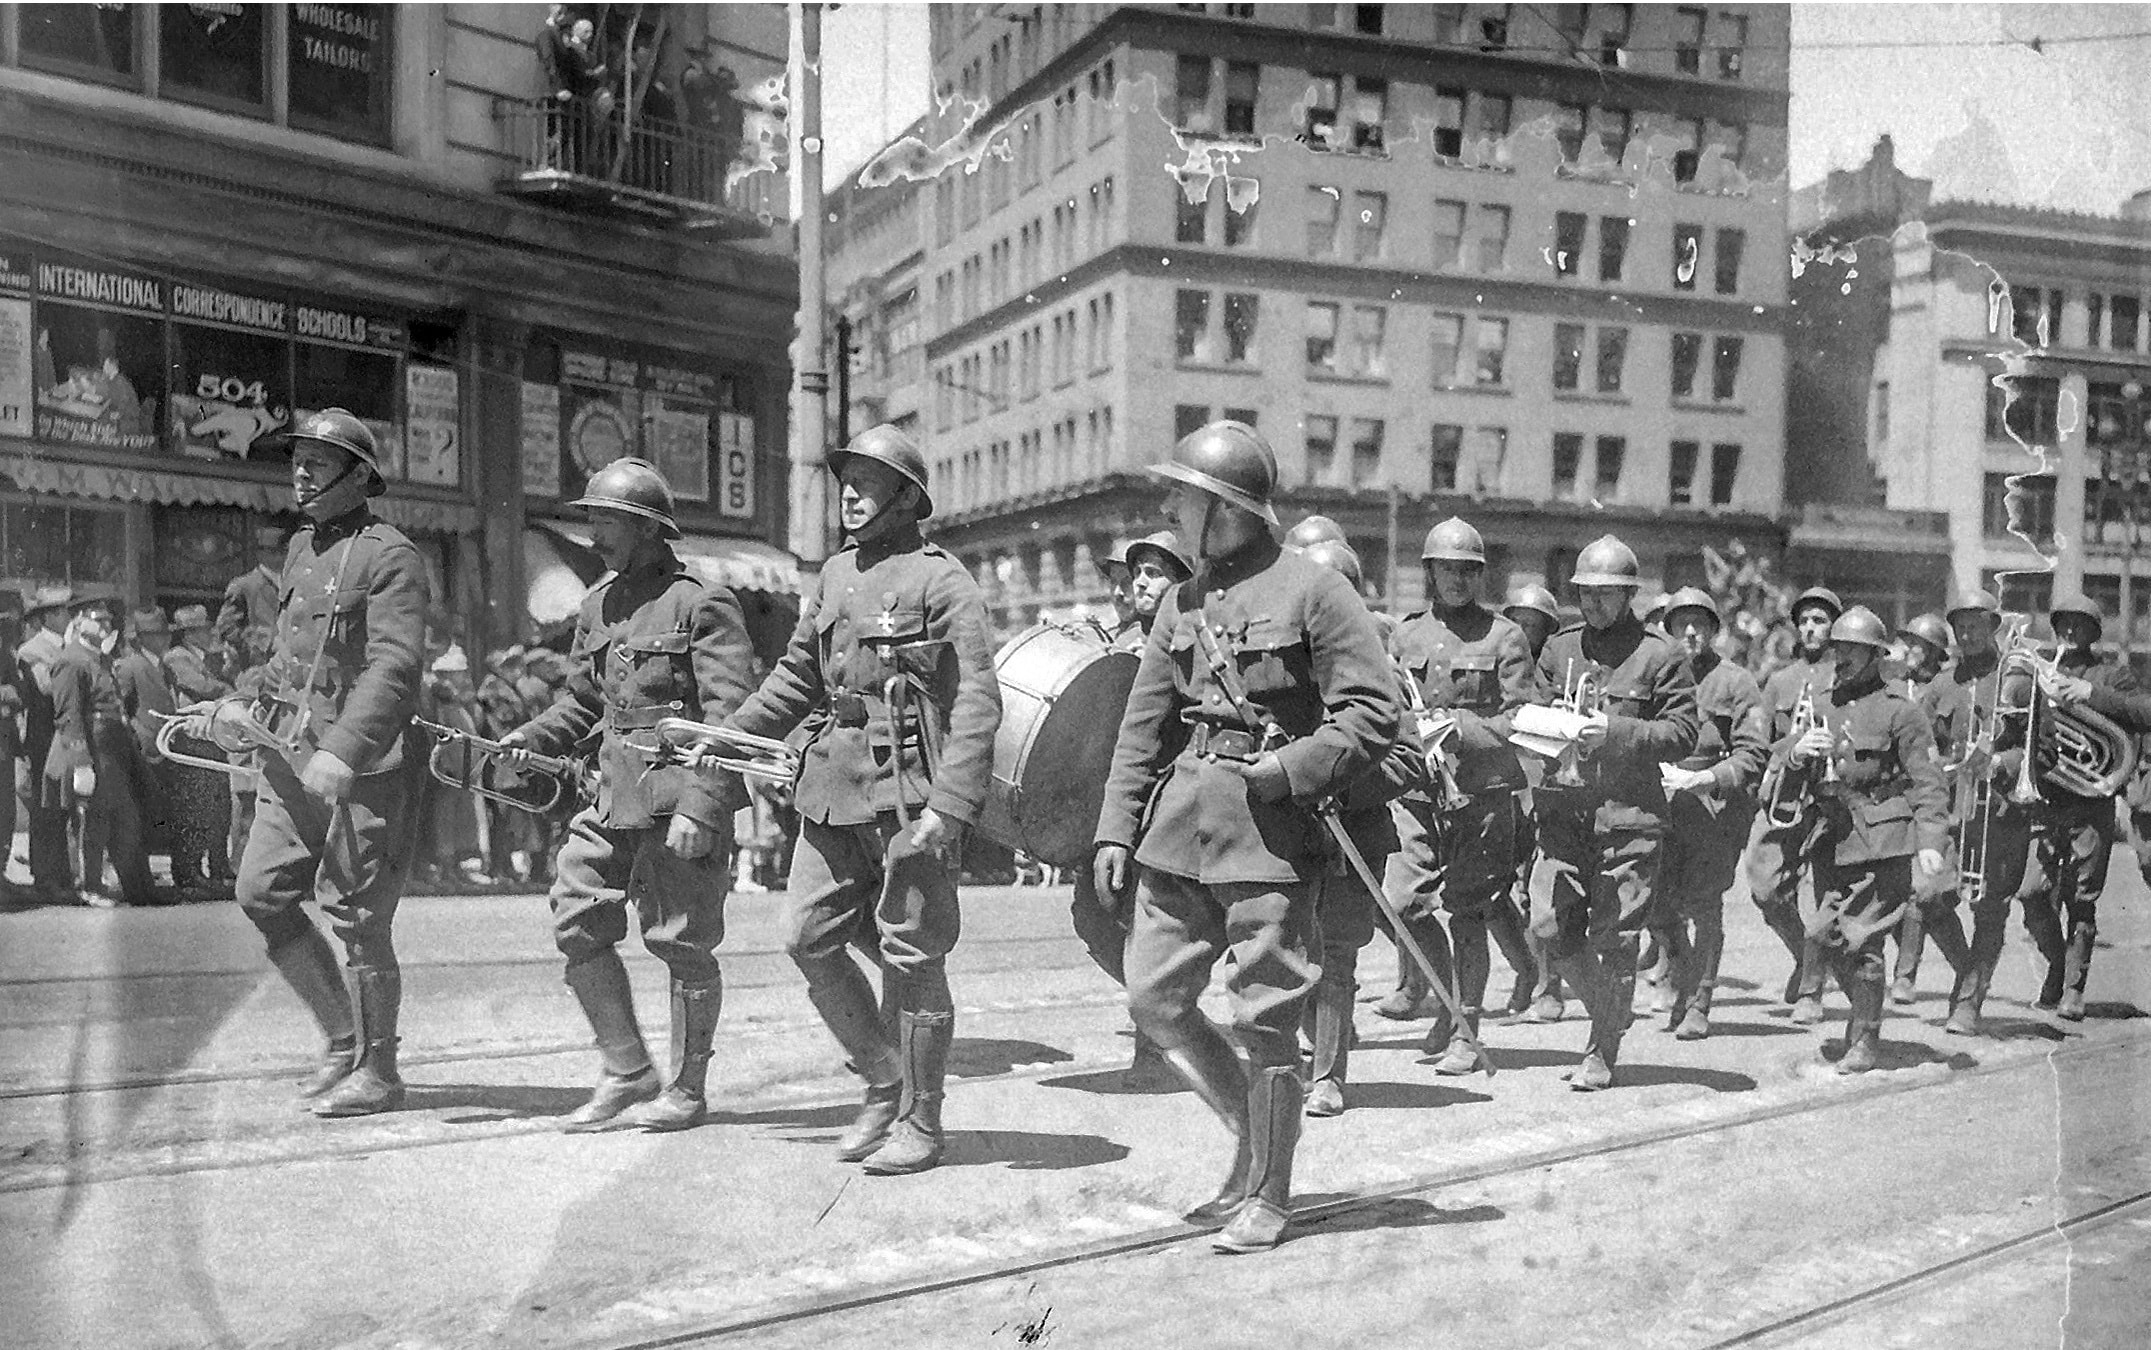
808, 1309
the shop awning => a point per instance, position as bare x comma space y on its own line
167, 487
559, 570
742, 564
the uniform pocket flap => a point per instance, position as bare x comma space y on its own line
347, 601
1183, 638
1868, 744
895, 625
671, 644
1475, 662
1883, 812
1269, 635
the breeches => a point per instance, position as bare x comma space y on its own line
1699, 858
601, 872
2066, 868
866, 885
1464, 862
350, 858
1602, 880
1181, 929
1864, 891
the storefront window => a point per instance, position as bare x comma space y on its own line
348, 359
93, 40
42, 543
340, 58
693, 423
216, 54
98, 362
231, 373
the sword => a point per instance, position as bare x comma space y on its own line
1405, 940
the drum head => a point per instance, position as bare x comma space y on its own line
1065, 770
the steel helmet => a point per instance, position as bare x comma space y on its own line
1978, 602
1313, 530
1228, 460
1860, 625
1692, 597
341, 428
1164, 546
633, 487
1117, 554
1338, 557
1930, 629
1534, 598
1820, 595
1454, 540
2081, 607
887, 444
1606, 561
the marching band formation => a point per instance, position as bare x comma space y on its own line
1289, 766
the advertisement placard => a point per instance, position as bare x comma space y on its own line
98, 355
15, 391
735, 472
231, 371
541, 439
433, 427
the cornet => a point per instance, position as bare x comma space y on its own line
1792, 791
1553, 730
695, 744
467, 763
232, 724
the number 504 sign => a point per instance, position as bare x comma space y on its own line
735, 464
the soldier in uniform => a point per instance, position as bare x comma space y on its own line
1601, 836
333, 824
1273, 667
202, 799
254, 598
2073, 835
1315, 529
1925, 639
652, 641
1777, 855
885, 789
1533, 608
1141, 571
1882, 807
1712, 804
94, 768
1471, 664
50, 870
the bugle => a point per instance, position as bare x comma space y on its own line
234, 725
699, 745
1792, 791
468, 762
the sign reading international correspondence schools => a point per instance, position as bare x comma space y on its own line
98, 354
541, 439
432, 425
231, 373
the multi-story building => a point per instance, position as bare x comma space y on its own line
875, 239
1519, 263
218, 217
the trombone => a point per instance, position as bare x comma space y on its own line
467, 762
698, 745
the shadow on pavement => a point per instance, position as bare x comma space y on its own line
2114, 1012
1115, 1083
1755, 1029
1409, 1096
793, 1117
983, 1057
489, 1102
1404, 1211
1658, 1075
2020, 1029
1028, 1150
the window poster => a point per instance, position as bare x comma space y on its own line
432, 418
601, 411
231, 372
677, 420
15, 342
352, 359
216, 52
97, 361
541, 439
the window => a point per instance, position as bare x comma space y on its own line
1567, 464
1615, 126
2027, 507
1323, 95
1191, 94
1369, 322
1243, 198
1688, 41
1321, 442
2094, 318
967, 195
1242, 80
1680, 480
1613, 37
1370, 213
1448, 233
1730, 139
1323, 206
1612, 356
1493, 348
2028, 407
1448, 22
1191, 213
1494, 31
1726, 264
93, 41
1489, 455
1448, 122
1105, 329
2125, 311
1724, 471
1612, 450
1687, 355
1568, 130
1568, 355
1725, 369
1189, 418
214, 55
1492, 127
945, 210
1687, 148
1569, 227
1241, 310
1687, 255
1370, 109
1612, 246
1493, 237
1882, 413
1101, 104
1321, 336
1445, 453
2034, 323
1367, 18
944, 400
1030, 145
1366, 450
1191, 325
1732, 41
1448, 345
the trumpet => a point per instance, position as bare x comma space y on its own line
232, 724
695, 744
1552, 730
1793, 789
467, 763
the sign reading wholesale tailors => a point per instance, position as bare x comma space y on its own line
607, 404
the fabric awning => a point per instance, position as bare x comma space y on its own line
742, 564
34, 472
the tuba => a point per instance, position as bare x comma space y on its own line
2093, 755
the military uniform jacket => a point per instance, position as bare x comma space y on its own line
1475, 664
85, 706
650, 643
1983, 692
1949, 715
1647, 692
2115, 693
1311, 662
1888, 800
251, 600
145, 695
832, 678
192, 678
1730, 739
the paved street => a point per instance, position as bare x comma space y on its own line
160, 1189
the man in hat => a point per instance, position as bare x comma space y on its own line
201, 798
1251, 708
95, 769
333, 822
46, 617
1925, 640
885, 789
146, 694
251, 599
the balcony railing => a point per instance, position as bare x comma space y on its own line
661, 170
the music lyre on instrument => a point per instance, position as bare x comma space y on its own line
467, 762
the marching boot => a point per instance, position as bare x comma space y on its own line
628, 1078
1911, 939
684, 1103
2075, 970
1410, 998
850, 1012
1863, 1033
914, 1145
1965, 998
373, 1084
1807, 998
2044, 925
1273, 1115
1331, 1007
1587, 975
1545, 1003
1212, 1069
1147, 1071
1507, 929
1460, 1058
309, 967
1695, 1022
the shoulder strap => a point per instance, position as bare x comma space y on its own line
1228, 678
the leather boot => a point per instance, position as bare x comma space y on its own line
1863, 1033
1273, 1114
1332, 1010
1695, 1021
860, 1025
1413, 999
1460, 1058
684, 1103
373, 1084
2044, 925
2076, 968
1507, 929
1911, 939
1807, 998
1965, 998
309, 967
1147, 1069
1409, 999
1213, 1070
914, 1145
1587, 975
627, 1078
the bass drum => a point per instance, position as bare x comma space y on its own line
1063, 690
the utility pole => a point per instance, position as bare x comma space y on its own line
810, 380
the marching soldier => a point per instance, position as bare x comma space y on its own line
1533, 608
651, 641
1778, 854
1279, 678
1315, 529
1712, 805
1925, 639
333, 824
2073, 834
50, 870
1141, 572
1601, 835
94, 768
891, 672
1881, 807
1471, 664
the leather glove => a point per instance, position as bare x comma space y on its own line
327, 777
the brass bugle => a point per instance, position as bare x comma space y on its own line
696, 744
550, 776
230, 724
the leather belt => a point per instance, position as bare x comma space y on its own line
642, 719
847, 709
1208, 740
